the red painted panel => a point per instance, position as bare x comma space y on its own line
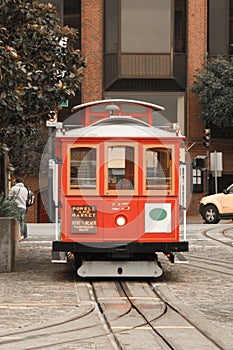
107, 210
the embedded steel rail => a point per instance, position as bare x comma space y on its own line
206, 233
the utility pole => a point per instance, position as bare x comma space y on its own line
51, 123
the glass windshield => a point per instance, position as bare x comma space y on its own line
158, 169
120, 167
83, 168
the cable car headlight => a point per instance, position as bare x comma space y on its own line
121, 220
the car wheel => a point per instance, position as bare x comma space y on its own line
211, 215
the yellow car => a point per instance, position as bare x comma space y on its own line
217, 206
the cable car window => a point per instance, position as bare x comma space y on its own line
120, 167
158, 169
83, 168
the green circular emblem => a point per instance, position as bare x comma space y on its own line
158, 214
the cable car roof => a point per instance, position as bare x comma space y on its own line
137, 102
119, 126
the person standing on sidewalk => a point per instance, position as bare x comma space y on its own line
19, 194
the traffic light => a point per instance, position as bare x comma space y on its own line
199, 162
206, 138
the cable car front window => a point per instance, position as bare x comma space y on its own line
83, 168
120, 167
158, 169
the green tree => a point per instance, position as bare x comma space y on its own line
214, 88
39, 68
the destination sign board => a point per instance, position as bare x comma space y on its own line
83, 219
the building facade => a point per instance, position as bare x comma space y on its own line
151, 50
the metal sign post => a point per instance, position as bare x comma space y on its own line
51, 123
216, 167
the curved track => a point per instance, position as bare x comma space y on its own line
212, 265
222, 236
225, 236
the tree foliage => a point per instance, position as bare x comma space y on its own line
214, 88
8, 208
39, 68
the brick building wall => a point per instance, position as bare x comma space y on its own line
92, 49
197, 49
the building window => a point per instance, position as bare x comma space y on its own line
145, 40
180, 26
219, 31
112, 26
72, 17
197, 180
146, 26
174, 105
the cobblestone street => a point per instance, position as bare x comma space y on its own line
39, 292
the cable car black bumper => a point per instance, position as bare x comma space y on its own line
112, 247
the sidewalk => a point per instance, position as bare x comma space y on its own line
35, 229
194, 219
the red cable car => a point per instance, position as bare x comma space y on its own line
119, 182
